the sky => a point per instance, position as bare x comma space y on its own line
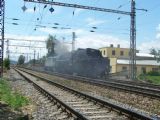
111, 28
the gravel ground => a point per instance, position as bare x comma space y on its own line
88, 108
133, 101
40, 107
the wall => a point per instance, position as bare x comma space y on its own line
108, 52
139, 68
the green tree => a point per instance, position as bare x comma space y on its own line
21, 60
50, 45
7, 63
156, 53
153, 51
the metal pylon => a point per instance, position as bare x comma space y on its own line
133, 42
2, 11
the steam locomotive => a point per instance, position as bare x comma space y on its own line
83, 62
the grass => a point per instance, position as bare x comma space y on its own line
13, 99
150, 78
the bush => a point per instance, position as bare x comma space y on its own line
153, 73
13, 99
7, 63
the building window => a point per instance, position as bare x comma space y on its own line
122, 53
104, 52
143, 70
155, 69
113, 52
124, 68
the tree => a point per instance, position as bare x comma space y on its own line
153, 51
156, 53
55, 47
21, 60
50, 45
6, 63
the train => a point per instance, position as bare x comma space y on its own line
82, 62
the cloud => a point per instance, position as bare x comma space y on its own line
158, 28
92, 22
78, 11
158, 32
62, 31
146, 46
158, 36
31, 10
99, 40
86, 39
15, 50
14, 36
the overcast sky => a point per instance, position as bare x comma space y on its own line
111, 28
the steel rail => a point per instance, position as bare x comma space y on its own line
124, 87
64, 106
131, 114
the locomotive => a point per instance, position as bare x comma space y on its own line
82, 62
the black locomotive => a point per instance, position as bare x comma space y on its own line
83, 62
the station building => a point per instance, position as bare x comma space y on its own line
119, 60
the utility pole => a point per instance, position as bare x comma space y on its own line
73, 41
34, 61
73, 46
132, 66
7, 49
2, 16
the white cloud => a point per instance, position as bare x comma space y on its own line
86, 39
146, 46
31, 10
92, 22
78, 11
158, 28
62, 31
99, 40
15, 50
25, 37
158, 36
158, 32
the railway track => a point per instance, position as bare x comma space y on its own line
126, 86
83, 105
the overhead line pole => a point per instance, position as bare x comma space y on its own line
132, 27
132, 67
2, 15
79, 6
27, 40
27, 46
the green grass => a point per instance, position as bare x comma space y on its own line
13, 99
151, 79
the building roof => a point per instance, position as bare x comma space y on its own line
139, 62
144, 55
113, 47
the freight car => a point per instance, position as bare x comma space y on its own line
83, 62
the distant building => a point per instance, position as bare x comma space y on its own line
119, 60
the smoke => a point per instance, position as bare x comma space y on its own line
60, 48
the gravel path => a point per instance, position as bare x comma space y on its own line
40, 108
133, 101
